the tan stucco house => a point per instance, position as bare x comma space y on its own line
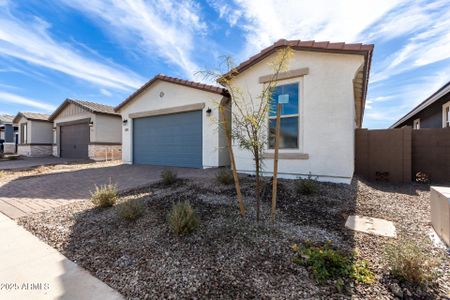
35, 134
175, 122
84, 129
323, 92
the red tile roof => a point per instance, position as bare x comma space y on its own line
188, 83
364, 49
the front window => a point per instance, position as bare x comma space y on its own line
288, 96
23, 132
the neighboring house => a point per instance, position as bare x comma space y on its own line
174, 122
324, 92
84, 129
8, 134
433, 112
35, 134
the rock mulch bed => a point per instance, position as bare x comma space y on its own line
233, 257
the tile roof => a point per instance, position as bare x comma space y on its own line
6, 118
441, 92
188, 83
87, 105
31, 116
325, 46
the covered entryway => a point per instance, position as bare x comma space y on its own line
74, 140
169, 140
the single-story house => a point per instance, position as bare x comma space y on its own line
8, 134
323, 92
433, 112
35, 134
84, 129
174, 122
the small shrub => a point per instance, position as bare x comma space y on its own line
131, 210
422, 177
104, 195
307, 186
409, 263
225, 176
12, 157
327, 263
168, 177
182, 218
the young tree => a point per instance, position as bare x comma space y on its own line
249, 112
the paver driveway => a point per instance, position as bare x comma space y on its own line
29, 195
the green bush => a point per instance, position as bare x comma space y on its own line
168, 177
131, 210
307, 187
326, 263
225, 176
408, 262
182, 218
12, 157
104, 195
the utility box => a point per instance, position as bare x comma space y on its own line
440, 212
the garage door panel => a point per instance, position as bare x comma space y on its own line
74, 140
169, 140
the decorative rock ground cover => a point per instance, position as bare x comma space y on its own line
233, 257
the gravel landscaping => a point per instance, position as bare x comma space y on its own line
233, 257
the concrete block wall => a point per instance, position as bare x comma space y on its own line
34, 150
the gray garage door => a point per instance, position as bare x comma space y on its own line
169, 140
74, 140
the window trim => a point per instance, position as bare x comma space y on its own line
24, 133
416, 121
300, 116
445, 122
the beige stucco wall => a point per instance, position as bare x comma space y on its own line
40, 132
177, 95
21, 121
326, 112
107, 129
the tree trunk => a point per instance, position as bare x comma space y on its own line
233, 162
275, 164
258, 186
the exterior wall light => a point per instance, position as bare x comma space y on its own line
208, 111
125, 122
91, 124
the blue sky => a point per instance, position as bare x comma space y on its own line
102, 50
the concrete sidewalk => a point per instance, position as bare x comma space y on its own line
30, 269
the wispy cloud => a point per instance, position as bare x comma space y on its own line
105, 92
266, 21
27, 102
31, 42
160, 28
425, 26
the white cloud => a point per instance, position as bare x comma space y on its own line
425, 26
16, 99
165, 29
31, 41
265, 21
105, 92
